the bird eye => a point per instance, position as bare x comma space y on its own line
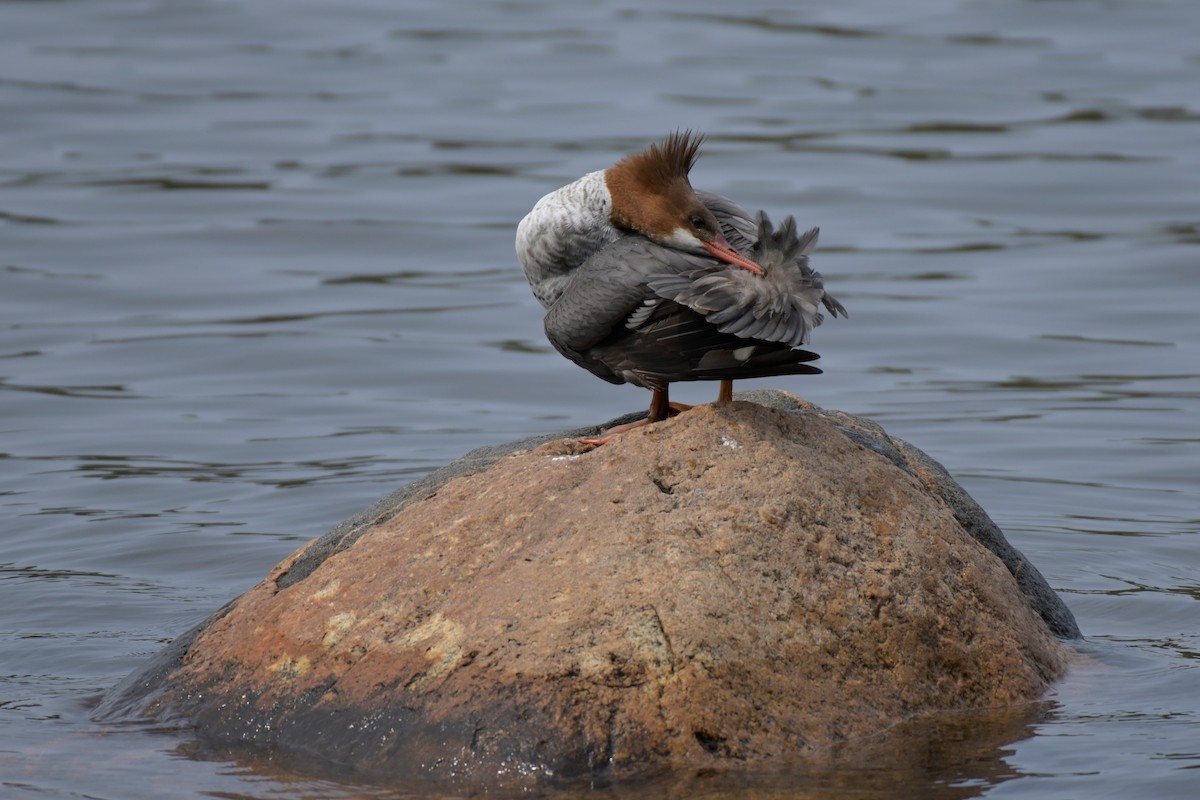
698, 222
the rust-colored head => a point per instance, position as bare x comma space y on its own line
651, 195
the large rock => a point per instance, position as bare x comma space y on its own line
736, 584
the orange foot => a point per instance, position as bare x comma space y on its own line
617, 430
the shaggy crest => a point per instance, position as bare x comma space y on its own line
665, 162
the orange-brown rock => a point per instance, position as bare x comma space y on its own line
736, 584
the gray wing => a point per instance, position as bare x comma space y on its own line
741, 230
665, 342
611, 323
782, 305
606, 290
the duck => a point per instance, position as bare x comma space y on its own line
646, 280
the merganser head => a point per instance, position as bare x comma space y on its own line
651, 194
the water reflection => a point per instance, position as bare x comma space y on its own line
954, 757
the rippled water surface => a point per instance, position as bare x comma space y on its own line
256, 271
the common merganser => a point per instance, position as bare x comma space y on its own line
649, 281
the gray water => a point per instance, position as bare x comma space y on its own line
256, 271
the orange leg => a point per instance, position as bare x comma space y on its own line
725, 393
660, 405
661, 408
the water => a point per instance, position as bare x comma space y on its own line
256, 271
